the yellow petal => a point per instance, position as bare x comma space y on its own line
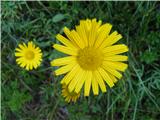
66, 50
81, 82
65, 69
115, 49
70, 75
88, 24
38, 50
116, 65
81, 31
113, 72
68, 34
36, 65
116, 58
105, 27
65, 41
21, 46
25, 46
27, 67
113, 78
102, 34
106, 77
99, 24
20, 59
31, 66
19, 50
30, 45
63, 61
19, 54
92, 33
88, 84
111, 40
77, 39
75, 80
100, 81
95, 86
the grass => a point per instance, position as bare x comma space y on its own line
35, 95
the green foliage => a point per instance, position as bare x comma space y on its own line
152, 53
149, 57
13, 98
17, 100
36, 95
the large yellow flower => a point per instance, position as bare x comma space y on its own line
29, 57
93, 58
69, 96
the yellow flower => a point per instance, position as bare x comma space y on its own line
93, 58
69, 96
28, 57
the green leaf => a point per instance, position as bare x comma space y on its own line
57, 18
149, 57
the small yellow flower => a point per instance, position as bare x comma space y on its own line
69, 96
93, 58
28, 57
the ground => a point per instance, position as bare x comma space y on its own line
36, 95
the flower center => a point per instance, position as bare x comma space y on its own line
90, 58
29, 55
